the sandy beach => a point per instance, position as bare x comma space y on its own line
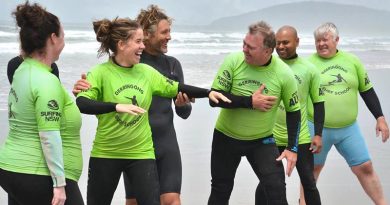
337, 184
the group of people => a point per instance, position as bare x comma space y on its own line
272, 107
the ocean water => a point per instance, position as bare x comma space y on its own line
201, 53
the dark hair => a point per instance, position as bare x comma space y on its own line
36, 25
109, 33
151, 17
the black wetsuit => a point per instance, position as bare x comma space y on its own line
166, 147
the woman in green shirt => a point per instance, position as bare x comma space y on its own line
121, 91
40, 161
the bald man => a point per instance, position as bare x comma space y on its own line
308, 83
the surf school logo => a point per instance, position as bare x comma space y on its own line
53, 105
133, 100
337, 81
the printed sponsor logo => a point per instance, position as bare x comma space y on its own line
366, 80
53, 105
226, 75
51, 116
10, 113
13, 93
299, 80
169, 81
321, 91
224, 83
294, 99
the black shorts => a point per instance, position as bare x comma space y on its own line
27, 189
169, 168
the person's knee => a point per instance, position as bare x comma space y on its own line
170, 199
365, 169
222, 186
274, 188
317, 170
131, 202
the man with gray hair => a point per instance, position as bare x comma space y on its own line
343, 76
244, 131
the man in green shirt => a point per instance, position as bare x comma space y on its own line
343, 76
240, 131
308, 81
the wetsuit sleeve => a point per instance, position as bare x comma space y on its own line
13, 64
293, 121
185, 110
93, 107
49, 98
372, 101
193, 92
237, 101
319, 117
52, 150
317, 97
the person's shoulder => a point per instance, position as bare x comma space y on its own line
346, 54
171, 58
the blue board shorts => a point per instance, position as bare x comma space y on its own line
348, 141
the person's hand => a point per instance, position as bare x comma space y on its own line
182, 99
382, 128
291, 158
81, 85
262, 102
59, 196
316, 144
215, 96
129, 108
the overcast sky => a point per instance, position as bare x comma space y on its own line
185, 12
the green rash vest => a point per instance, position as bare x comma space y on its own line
308, 81
343, 76
122, 135
38, 102
239, 78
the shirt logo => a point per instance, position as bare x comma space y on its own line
337, 85
10, 113
133, 100
339, 79
53, 105
169, 81
226, 75
294, 99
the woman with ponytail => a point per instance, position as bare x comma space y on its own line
40, 161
